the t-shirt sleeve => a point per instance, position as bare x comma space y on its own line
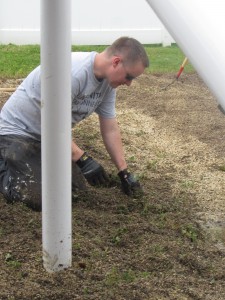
107, 107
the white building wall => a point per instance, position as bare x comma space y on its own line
97, 22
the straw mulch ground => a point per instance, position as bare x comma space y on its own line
167, 244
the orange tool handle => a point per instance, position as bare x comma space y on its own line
182, 67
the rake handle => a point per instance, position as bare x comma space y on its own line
182, 67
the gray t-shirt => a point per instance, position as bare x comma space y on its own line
21, 114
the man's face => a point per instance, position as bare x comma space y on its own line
121, 73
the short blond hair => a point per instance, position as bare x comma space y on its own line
130, 49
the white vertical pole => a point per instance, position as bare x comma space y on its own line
56, 133
198, 26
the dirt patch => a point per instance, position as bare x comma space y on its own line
170, 243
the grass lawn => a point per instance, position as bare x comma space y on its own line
19, 61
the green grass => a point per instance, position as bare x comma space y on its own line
18, 61
166, 59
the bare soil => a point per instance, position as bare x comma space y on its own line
167, 244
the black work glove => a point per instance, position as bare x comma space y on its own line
92, 170
130, 185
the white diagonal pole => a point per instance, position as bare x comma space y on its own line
56, 133
198, 27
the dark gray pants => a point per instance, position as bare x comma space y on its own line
20, 171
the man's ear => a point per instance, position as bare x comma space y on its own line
115, 61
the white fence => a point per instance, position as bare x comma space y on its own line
97, 22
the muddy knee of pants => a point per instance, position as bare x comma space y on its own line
20, 170
26, 191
